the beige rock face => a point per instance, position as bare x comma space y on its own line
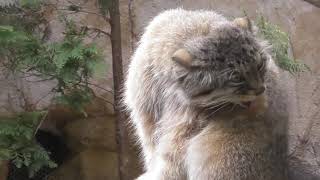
93, 164
99, 165
91, 133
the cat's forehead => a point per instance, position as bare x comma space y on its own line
231, 40
225, 46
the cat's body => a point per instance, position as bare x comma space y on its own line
185, 92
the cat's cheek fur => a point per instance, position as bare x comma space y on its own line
259, 105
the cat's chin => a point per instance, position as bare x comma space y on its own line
257, 106
247, 100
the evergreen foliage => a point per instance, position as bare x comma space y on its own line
280, 46
22, 3
6, 3
104, 6
18, 145
69, 63
30, 3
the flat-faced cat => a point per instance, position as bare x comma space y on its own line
197, 95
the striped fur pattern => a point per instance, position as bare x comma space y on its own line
196, 94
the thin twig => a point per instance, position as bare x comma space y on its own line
84, 11
97, 30
41, 121
97, 86
131, 24
104, 99
41, 98
41, 80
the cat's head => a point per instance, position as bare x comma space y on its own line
225, 66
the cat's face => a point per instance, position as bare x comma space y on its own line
225, 67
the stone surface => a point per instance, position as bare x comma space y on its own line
91, 133
3, 170
314, 2
99, 165
58, 117
91, 164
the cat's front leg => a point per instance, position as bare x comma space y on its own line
166, 162
163, 169
144, 125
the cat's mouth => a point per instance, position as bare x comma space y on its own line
247, 100
246, 104
251, 101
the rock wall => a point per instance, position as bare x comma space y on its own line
92, 142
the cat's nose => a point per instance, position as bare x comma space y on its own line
260, 90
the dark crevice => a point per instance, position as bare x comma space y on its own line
58, 153
314, 2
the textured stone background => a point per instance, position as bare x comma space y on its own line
95, 147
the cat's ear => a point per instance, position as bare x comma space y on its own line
182, 57
245, 23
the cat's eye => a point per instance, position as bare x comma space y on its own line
203, 93
236, 78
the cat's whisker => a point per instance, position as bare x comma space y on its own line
222, 106
213, 106
233, 106
231, 74
217, 102
217, 105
